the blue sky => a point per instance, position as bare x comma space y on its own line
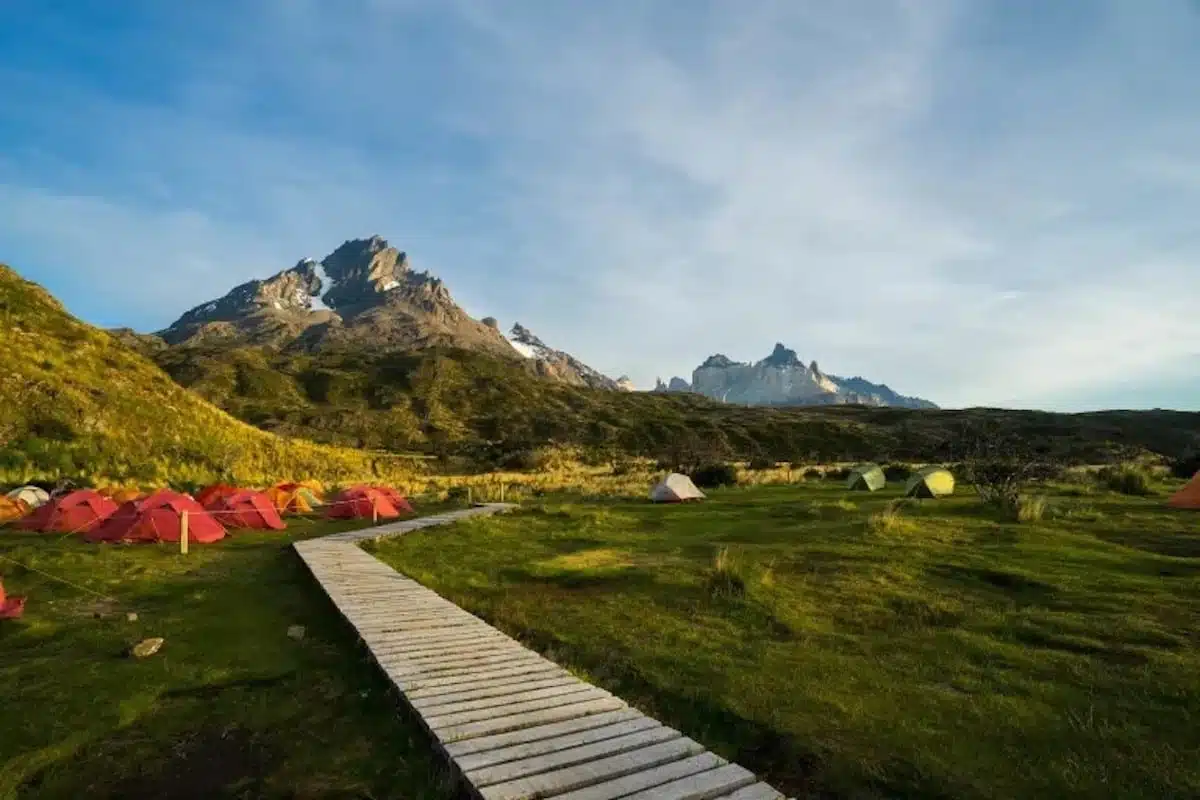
984, 202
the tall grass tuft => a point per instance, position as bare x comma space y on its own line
1130, 479
887, 520
726, 579
1030, 509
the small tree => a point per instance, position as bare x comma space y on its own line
999, 464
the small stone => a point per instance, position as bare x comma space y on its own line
296, 632
132, 616
147, 647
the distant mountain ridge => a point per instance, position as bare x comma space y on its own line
782, 379
365, 294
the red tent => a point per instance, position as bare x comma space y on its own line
397, 500
158, 518
215, 493
248, 509
362, 502
10, 607
75, 512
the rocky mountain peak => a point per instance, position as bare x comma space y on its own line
520, 333
718, 361
782, 357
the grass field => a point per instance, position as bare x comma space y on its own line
230, 707
940, 652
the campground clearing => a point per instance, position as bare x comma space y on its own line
230, 707
842, 648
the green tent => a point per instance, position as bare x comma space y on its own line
930, 482
867, 478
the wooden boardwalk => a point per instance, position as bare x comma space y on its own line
514, 724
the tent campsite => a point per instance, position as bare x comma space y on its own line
866, 478
675, 488
32, 496
293, 498
75, 512
12, 510
930, 482
1189, 496
215, 493
362, 502
158, 518
249, 509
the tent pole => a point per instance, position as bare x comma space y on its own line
183, 533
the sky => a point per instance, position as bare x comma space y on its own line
981, 202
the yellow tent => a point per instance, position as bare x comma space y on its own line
930, 482
12, 510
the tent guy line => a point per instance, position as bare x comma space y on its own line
514, 725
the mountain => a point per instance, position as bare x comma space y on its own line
363, 295
556, 364
782, 379
79, 403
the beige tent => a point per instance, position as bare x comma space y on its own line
867, 478
675, 488
32, 496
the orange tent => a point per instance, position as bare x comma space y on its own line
119, 495
75, 512
362, 502
212, 494
11, 510
1189, 496
291, 497
248, 509
159, 518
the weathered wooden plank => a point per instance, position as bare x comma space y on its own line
472, 713
469, 651
415, 685
759, 791
399, 666
539, 733
646, 779
437, 706
549, 784
704, 786
527, 720
435, 635
536, 765
502, 755
490, 690
476, 643
497, 682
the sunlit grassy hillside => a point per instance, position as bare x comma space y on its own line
74, 402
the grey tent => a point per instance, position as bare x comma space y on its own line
866, 478
32, 496
675, 488
930, 482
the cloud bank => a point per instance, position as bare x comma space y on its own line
983, 203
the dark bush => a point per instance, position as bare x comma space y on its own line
1186, 466
712, 476
838, 474
896, 472
760, 463
813, 474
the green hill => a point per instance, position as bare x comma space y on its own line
455, 401
77, 403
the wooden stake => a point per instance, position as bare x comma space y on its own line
502, 492
183, 533
374, 512
470, 502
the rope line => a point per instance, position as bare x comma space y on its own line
60, 580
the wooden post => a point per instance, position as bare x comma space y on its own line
374, 512
470, 494
183, 533
502, 492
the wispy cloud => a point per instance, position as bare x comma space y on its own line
983, 203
